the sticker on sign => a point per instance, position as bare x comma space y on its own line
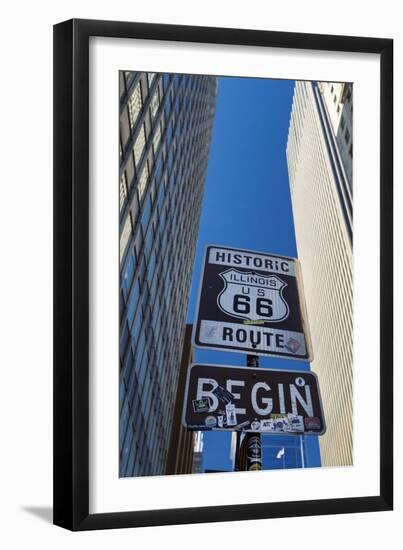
251, 302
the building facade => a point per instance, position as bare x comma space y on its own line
182, 441
165, 133
319, 157
338, 98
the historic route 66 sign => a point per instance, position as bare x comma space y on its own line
251, 302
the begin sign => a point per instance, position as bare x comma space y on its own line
253, 400
251, 302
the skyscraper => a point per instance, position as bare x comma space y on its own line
319, 156
182, 441
338, 98
165, 133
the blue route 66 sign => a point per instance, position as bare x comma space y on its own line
252, 302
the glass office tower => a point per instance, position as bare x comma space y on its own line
165, 134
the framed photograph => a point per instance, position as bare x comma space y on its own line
223, 303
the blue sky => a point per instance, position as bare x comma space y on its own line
247, 205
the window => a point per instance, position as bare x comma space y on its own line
130, 75
170, 161
123, 190
139, 145
151, 267
140, 348
127, 370
135, 105
125, 236
121, 305
122, 390
169, 133
143, 182
145, 217
130, 464
148, 244
134, 209
128, 275
165, 79
168, 105
142, 269
158, 170
129, 169
136, 328
127, 448
347, 136
150, 78
163, 218
157, 138
155, 103
153, 295
133, 303
161, 196
124, 340
124, 419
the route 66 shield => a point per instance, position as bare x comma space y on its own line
253, 296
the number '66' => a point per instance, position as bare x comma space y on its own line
263, 305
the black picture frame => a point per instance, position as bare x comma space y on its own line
71, 273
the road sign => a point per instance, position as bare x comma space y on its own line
260, 400
251, 302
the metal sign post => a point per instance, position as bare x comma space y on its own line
253, 442
248, 452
